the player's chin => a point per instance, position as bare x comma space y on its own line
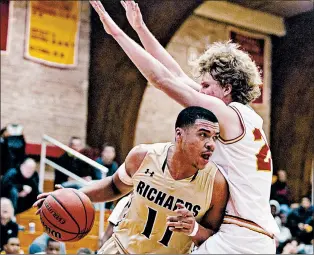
201, 164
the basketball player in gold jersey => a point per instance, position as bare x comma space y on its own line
175, 187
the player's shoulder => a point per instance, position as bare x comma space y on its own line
155, 148
139, 152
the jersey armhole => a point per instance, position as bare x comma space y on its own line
237, 139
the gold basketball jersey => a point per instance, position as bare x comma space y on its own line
143, 228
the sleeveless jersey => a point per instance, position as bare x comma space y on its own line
143, 228
246, 162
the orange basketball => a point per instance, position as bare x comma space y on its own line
67, 215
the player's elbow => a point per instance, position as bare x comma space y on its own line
160, 81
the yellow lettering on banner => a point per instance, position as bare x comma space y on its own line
53, 32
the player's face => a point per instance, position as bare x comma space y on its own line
13, 246
211, 87
198, 142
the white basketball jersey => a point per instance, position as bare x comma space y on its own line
247, 163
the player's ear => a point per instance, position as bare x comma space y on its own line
227, 89
178, 133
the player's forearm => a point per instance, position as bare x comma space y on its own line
153, 47
202, 235
149, 66
102, 191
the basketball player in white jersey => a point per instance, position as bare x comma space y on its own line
230, 80
174, 186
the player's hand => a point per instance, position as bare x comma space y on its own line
109, 25
184, 221
133, 14
41, 197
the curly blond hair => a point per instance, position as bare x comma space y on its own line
227, 64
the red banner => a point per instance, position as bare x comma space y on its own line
256, 48
4, 11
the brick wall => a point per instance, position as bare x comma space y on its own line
158, 112
45, 100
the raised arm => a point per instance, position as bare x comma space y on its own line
152, 45
160, 77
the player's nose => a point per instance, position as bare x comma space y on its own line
210, 145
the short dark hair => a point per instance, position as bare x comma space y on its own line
51, 240
84, 251
105, 145
189, 115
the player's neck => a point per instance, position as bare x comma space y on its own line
178, 166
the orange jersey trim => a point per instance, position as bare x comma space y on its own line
223, 141
228, 219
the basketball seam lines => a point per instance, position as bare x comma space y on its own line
79, 230
61, 229
85, 229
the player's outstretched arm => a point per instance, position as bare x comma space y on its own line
157, 74
113, 187
151, 44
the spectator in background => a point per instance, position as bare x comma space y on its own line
280, 191
20, 185
84, 251
9, 228
300, 218
290, 247
12, 144
39, 245
108, 155
53, 246
12, 246
74, 165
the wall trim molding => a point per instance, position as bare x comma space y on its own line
240, 16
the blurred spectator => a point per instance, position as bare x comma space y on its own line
108, 155
285, 233
12, 147
53, 247
280, 190
300, 217
291, 247
74, 165
20, 185
39, 245
84, 251
12, 246
8, 227
306, 230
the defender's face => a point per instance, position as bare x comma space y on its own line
211, 87
198, 142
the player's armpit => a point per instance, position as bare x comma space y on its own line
213, 218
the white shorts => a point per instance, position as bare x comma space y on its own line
232, 239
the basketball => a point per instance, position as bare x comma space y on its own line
67, 215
